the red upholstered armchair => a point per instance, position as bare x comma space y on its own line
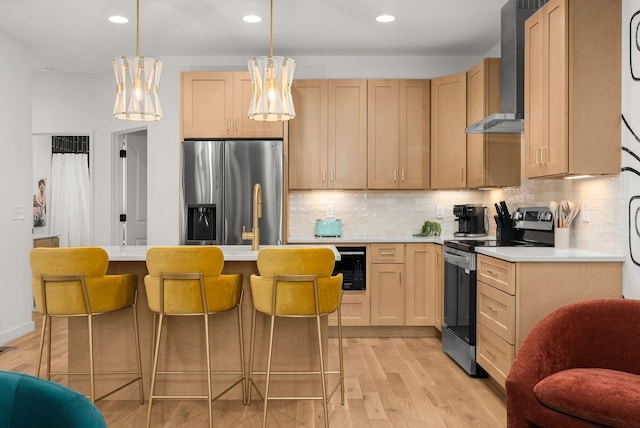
579, 367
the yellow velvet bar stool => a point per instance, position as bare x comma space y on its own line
188, 281
72, 282
297, 283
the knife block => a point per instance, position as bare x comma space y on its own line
507, 232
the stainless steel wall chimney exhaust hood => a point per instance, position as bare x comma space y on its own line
511, 119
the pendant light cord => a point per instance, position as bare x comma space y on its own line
271, 29
137, 28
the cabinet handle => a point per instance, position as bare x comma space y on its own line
402, 178
324, 175
387, 253
237, 124
544, 154
228, 124
400, 276
538, 150
490, 352
395, 175
492, 309
331, 175
461, 174
492, 273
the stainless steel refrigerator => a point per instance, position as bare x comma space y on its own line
217, 190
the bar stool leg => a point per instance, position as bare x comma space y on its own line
208, 354
341, 355
322, 374
268, 379
241, 343
91, 366
251, 352
45, 320
136, 334
154, 368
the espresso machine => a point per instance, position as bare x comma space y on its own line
472, 220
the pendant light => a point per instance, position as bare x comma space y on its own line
271, 78
137, 80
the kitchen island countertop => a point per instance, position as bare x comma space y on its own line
232, 253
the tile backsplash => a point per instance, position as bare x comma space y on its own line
399, 214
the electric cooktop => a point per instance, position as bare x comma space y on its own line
471, 244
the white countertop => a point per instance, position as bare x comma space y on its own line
232, 253
372, 240
547, 254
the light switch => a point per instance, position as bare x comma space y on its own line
584, 212
330, 213
439, 211
17, 213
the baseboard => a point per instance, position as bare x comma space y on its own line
14, 333
385, 331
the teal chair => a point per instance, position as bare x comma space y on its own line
30, 402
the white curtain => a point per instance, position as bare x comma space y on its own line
69, 200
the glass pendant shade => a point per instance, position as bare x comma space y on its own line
137, 80
271, 77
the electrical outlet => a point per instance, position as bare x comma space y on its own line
329, 212
584, 212
439, 211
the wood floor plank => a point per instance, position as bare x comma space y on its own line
389, 383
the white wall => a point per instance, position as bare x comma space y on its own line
17, 190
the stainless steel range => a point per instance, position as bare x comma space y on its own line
525, 227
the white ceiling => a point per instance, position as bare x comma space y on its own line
75, 35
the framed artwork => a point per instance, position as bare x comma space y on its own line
40, 203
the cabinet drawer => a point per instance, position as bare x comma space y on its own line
494, 354
498, 273
497, 311
387, 253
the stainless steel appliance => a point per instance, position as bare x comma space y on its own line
352, 266
511, 118
218, 179
525, 227
472, 220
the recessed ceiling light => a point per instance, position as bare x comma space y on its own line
386, 18
117, 19
47, 69
251, 19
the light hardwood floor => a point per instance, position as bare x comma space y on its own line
390, 382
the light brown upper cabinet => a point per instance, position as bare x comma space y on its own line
448, 140
493, 160
398, 134
573, 89
216, 105
328, 137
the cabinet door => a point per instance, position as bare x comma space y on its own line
414, 133
382, 118
555, 152
439, 287
243, 127
448, 140
546, 91
207, 105
477, 108
420, 268
387, 294
308, 135
347, 134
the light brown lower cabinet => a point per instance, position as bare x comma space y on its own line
403, 280
52, 241
513, 297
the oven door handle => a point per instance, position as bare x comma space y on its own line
460, 261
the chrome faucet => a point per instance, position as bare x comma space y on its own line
254, 235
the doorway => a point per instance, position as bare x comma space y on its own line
130, 188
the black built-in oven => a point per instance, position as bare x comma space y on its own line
352, 265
